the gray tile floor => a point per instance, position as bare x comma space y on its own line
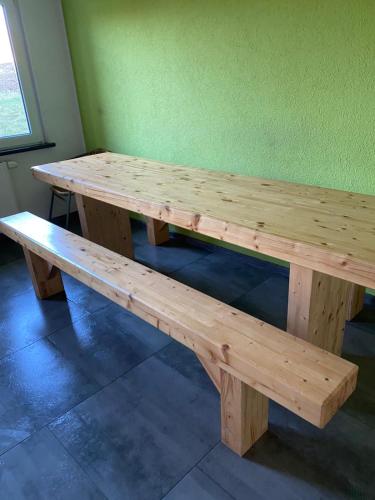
95, 403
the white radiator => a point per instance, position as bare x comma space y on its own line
8, 200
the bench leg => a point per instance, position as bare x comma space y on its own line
157, 231
356, 298
45, 277
244, 414
105, 224
317, 307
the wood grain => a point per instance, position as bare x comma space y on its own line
355, 301
244, 414
157, 231
106, 225
325, 230
317, 308
45, 277
305, 379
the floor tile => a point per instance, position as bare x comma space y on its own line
222, 255
14, 279
365, 320
358, 341
84, 296
361, 403
343, 453
269, 471
108, 343
9, 250
186, 363
268, 301
139, 232
37, 384
197, 485
168, 257
141, 434
24, 318
359, 348
41, 469
221, 278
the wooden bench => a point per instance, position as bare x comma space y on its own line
250, 360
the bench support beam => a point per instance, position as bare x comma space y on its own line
317, 307
46, 278
213, 371
356, 298
157, 231
244, 414
106, 225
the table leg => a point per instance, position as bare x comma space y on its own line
317, 307
45, 277
356, 298
157, 231
106, 225
244, 414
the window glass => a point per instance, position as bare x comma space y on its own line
13, 115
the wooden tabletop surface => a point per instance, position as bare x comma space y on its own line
323, 229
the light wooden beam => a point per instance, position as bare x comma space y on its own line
244, 414
317, 308
157, 231
356, 299
45, 277
105, 225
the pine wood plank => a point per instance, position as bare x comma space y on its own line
105, 224
244, 414
317, 308
309, 381
356, 299
157, 231
325, 230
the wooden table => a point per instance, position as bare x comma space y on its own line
327, 236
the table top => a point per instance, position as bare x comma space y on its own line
326, 230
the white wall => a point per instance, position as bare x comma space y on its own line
44, 27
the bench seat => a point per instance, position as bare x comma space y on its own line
249, 353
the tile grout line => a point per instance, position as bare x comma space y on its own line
77, 463
191, 468
83, 400
212, 479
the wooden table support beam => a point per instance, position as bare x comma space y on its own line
317, 307
356, 299
46, 278
105, 225
244, 414
157, 231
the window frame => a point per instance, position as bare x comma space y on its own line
26, 81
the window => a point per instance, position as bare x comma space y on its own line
20, 123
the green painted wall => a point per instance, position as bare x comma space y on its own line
283, 89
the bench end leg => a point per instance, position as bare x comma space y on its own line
244, 414
46, 278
